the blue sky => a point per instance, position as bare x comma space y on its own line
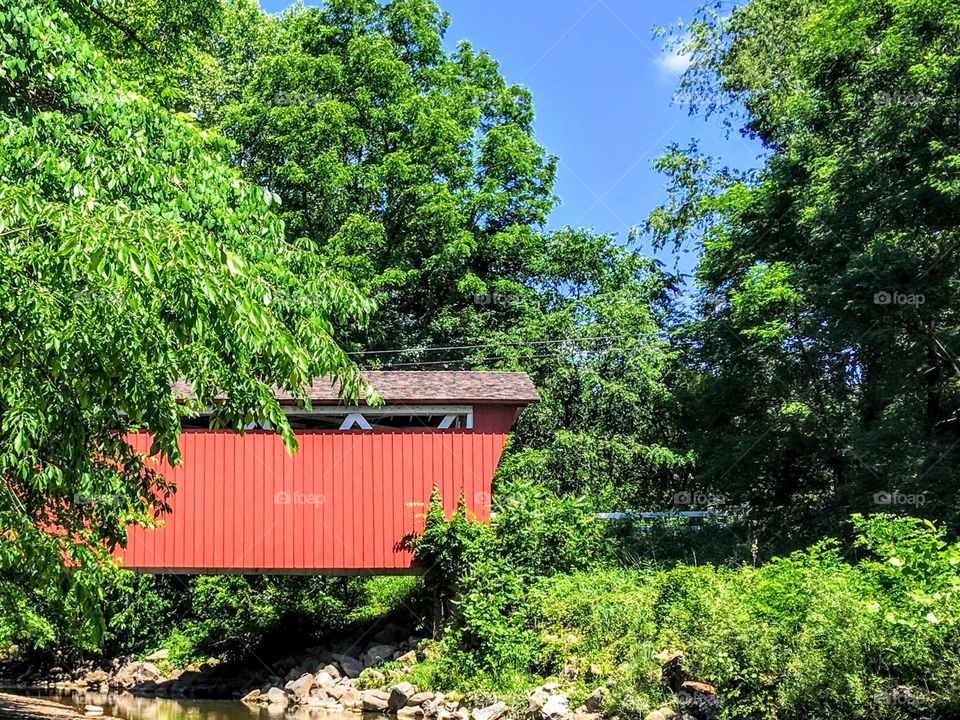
602, 89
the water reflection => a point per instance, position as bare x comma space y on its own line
129, 707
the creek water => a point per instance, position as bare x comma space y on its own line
129, 707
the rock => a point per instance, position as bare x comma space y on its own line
556, 706
698, 699
665, 656
162, 654
148, 688
407, 658
149, 671
462, 713
414, 711
550, 686
133, 673
418, 699
251, 697
594, 672
92, 710
390, 633
433, 708
571, 639
276, 696
375, 701
671, 672
693, 687
379, 654
300, 687
536, 701
351, 700
324, 679
338, 691
663, 713
491, 712
594, 702
349, 665
295, 673
400, 694
332, 671
96, 677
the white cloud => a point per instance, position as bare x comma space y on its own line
673, 62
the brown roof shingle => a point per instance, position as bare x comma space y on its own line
418, 387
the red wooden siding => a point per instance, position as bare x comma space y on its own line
343, 503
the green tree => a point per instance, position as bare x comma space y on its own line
415, 171
827, 334
592, 332
411, 169
132, 255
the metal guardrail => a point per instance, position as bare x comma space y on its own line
650, 515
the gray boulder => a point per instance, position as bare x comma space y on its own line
351, 666
491, 712
556, 706
595, 701
276, 696
379, 654
400, 694
299, 688
537, 700
375, 701
420, 698
324, 679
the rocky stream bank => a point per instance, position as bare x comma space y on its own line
370, 680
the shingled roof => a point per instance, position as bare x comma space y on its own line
415, 387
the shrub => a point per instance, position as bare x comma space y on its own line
540, 533
813, 634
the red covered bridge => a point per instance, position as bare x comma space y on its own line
359, 484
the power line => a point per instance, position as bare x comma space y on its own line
493, 359
509, 344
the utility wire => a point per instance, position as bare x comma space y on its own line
492, 359
518, 342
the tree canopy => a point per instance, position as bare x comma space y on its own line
413, 170
825, 342
133, 255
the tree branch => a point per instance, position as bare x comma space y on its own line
121, 26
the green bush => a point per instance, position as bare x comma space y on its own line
814, 634
540, 533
